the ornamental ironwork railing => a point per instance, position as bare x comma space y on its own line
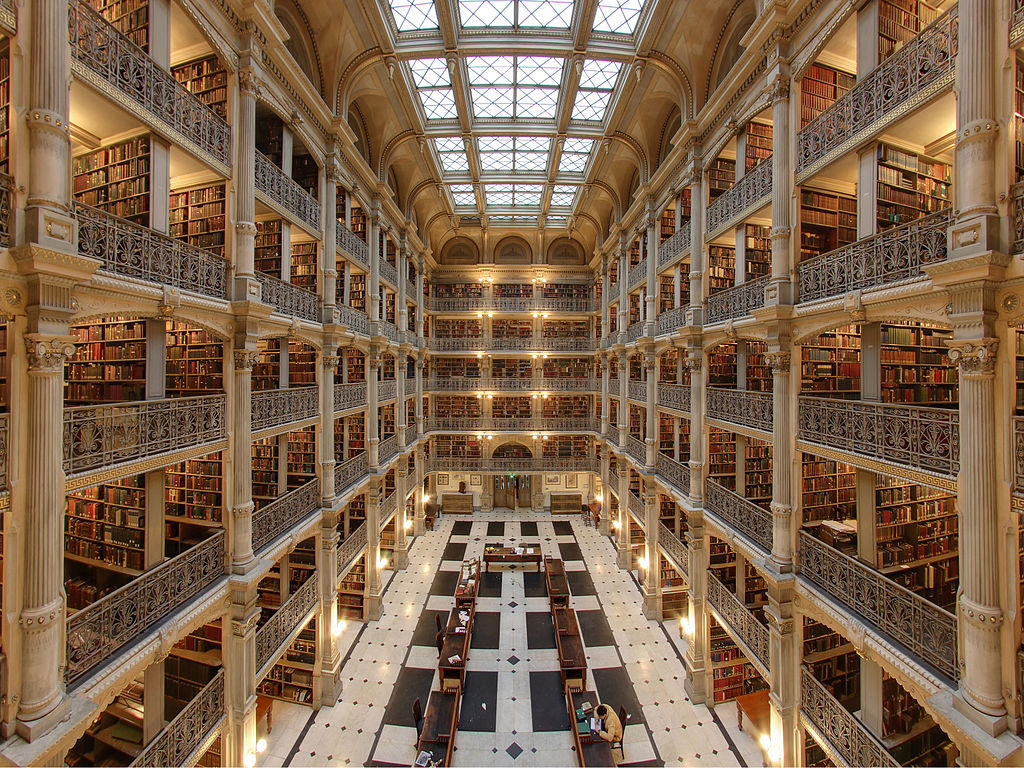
96, 632
748, 518
911, 435
638, 391
677, 473
636, 508
923, 628
352, 244
1017, 23
387, 449
739, 301
613, 434
880, 260
410, 291
9, 16
674, 548
123, 71
635, 331
272, 636
388, 507
637, 274
284, 512
1018, 455
6, 209
526, 344
512, 385
350, 395
740, 619
177, 742
274, 407
389, 273
674, 396
4, 460
385, 329
738, 406
410, 434
348, 472
751, 191
845, 734
1017, 200
911, 76
504, 304
286, 193
105, 435
637, 448
613, 479
353, 319
386, 390
672, 320
677, 244
512, 425
128, 249
350, 548
289, 299
516, 464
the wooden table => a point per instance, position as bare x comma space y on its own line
557, 583
591, 750
758, 711
495, 553
439, 723
469, 582
456, 626
572, 657
453, 674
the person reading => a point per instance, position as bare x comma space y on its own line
607, 725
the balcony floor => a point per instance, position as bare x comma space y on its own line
632, 661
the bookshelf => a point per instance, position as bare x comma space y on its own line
265, 475
899, 21
356, 510
301, 457
510, 407
509, 368
268, 247
198, 216
105, 526
386, 420
820, 87
908, 732
458, 447
565, 291
195, 361
563, 329
357, 291
193, 491
721, 268
759, 143
303, 265
1018, 120
203, 644
567, 406
447, 328
352, 591
666, 434
720, 175
828, 220
184, 678
463, 290
306, 173
636, 543
115, 737
722, 457
830, 363
674, 593
292, 678
910, 186
356, 424
266, 373
109, 364
758, 251
814, 755
666, 224
1019, 368
464, 368
115, 179
581, 368
356, 366
5, 106
457, 407
758, 374
566, 446
916, 366
509, 328
207, 79
511, 290
829, 489
301, 364
833, 661
129, 17
722, 365
270, 135
757, 472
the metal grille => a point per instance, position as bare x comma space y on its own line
352, 244
740, 619
286, 193
738, 301
743, 515
349, 472
386, 390
283, 513
274, 407
289, 299
676, 245
387, 449
674, 396
753, 190
737, 406
676, 473
672, 320
674, 548
350, 548
271, 637
349, 395
353, 319
178, 741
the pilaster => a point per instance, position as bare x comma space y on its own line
374, 588
622, 539
695, 627
778, 359
327, 565
652, 584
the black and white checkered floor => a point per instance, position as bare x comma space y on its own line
513, 710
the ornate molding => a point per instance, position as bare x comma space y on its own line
47, 354
976, 357
779, 362
245, 359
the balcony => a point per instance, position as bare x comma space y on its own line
675, 396
636, 509
388, 507
182, 741
634, 331
740, 620
288, 299
384, 329
502, 304
351, 548
386, 390
410, 291
1017, 219
351, 244
353, 319
613, 434
881, 260
277, 407
637, 274
677, 245
512, 385
123, 72
348, 472
676, 473
738, 406
6, 201
349, 396
387, 450
275, 188
671, 321
389, 274
744, 197
503, 465
410, 434
637, 449
293, 614
913, 436
613, 480
912, 76
8, 17
130, 250
638, 391
1017, 23
675, 549
736, 302
283, 513
923, 628
481, 423
744, 516
102, 436
839, 731
96, 633
510, 344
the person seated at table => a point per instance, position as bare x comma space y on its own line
608, 726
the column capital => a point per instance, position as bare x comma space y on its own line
693, 361
330, 361
47, 354
778, 361
975, 356
246, 359
249, 82
778, 89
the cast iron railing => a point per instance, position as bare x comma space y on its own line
739, 301
274, 407
740, 619
753, 190
283, 191
284, 512
271, 637
177, 742
289, 299
745, 516
738, 406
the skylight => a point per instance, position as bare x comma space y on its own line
550, 14
515, 87
597, 81
413, 15
513, 195
452, 153
513, 220
575, 155
463, 195
618, 16
563, 195
434, 86
513, 154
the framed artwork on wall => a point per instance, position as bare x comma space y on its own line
571, 481
475, 480
551, 479
442, 479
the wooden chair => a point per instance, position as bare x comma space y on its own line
617, 751
437, 620
439, 639
417, 716
574, 681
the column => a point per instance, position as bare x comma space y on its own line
401, 366
327, 565
622, 541
778, 358
373, 243
695, 313
784, 655
374, 589
652, 274
605, 297
245, 187
421, 361
242, 559
695, 627
605, 363
605, 499
239, 658
328, 255
327, 462
651, 371
652, 582
623, 401
693, 362
779, 290
419, 521
623, 256
401, 556
420, 268
401, 309
373, 363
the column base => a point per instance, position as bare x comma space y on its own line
400, 558
374, 607
652, 605
694, 683
419, 526
622, 558
331, 684
992, 725
30, 730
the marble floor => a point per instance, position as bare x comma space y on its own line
512, 711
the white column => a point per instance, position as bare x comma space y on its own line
693, 362
327, 565
329, 252
245, 186
374, 589
651, 372
652, 582
623, 400
695, 313
400, 411
400, 558
605, 364
652, 274
778, 358
421, 361
242, 559
327, 461
373, 364
419, 522
782, 193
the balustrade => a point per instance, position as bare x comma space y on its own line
502, 304
272, 636
352, 395
674, 472
923, 628
194, 726
528, 344
911, 435
638, 391
283, 193
739, 301
349, 242
512, 425
636, 448
740, 619
512, 385
121, 70
289, 299
1018, 455
738, 406
128, 249
98, 631
389, 274
275, 407
385, 329
746, 195
613, 435
102, 436
353, 319
4, 459
410, 434
1017, 201
920, 69
671, 321
348, 472
1017, 23
8, 16
675, 549
283, 513
386, 390
745, 516
636, 509
637, 274
675, 246
896, 254
410, 291
6, 203
634, 331
674, 396
613, 479
388, 507
387, 450
350, 548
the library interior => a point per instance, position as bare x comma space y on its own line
512, 382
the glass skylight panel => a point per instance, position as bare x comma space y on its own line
463, 195
563, 195
513, 195
550, 14
513, 153
590, 105
452, 153
575, 154
618, 16
513, 219
599, 75
413, 15
515, 86
434, 86
531, 161
539, 70
597, 80
555, 221
487, 13
497, 161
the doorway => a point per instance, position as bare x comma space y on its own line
512, 491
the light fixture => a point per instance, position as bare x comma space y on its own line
490, 396
382, 562
479, 314
642, 562
598, 498
686, 626
408, 524
426, 497
250, 759
766, 742
479, 395
261, 746
615, 524
490, 314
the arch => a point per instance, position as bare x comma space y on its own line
610, 191
414, 193
665, 63
301, 43
513, 250
673, 121
357, 123
567, 252
512, 447
728, 28
638, 150
460, 250
363, 61
394, 143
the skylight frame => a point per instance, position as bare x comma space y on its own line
517, 15
400, 12
618, 17
432, 84
575, 155
517, 195
599, 80
451, 153
521, 154
515, 87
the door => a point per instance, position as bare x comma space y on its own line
504, 492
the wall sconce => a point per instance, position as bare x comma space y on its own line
261, 746
408, 524
250, 759
598, 498
642, 562
382, 562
